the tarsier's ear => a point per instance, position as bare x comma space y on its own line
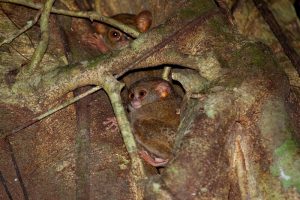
100, 28
163, 89
143, 21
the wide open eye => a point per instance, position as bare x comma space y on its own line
131, 96
115, 35
142, 93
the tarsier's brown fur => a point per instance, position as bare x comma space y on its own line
156, 120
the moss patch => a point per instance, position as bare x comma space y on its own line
287, 165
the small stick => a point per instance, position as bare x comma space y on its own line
17, 33
51, 111
43, 43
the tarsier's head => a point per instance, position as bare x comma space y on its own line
147, 91
116, 39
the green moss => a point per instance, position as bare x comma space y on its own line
287, 164
289, 146
94, 63
251, 55
137, 44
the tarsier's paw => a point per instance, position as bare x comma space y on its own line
111, 124
91, 39
96, 41
156, 162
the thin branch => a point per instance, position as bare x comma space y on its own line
17, 33
19, 27
268, 16
3, 181
11, 46
18, 173
51, 111
82, 14
43, 44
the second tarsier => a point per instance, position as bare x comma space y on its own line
107, 38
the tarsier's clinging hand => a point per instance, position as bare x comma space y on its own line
107, 38
154, 118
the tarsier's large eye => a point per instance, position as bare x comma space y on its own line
131, 96
142, 93
115, 35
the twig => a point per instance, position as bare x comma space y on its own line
11, 46
278, 32
3, 181
18, 173
90, 15
43, 44
3, 10
22, 30
51, 111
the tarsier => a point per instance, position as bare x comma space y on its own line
107, 38
154, 115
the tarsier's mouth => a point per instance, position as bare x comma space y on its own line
136, 105
153, 159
